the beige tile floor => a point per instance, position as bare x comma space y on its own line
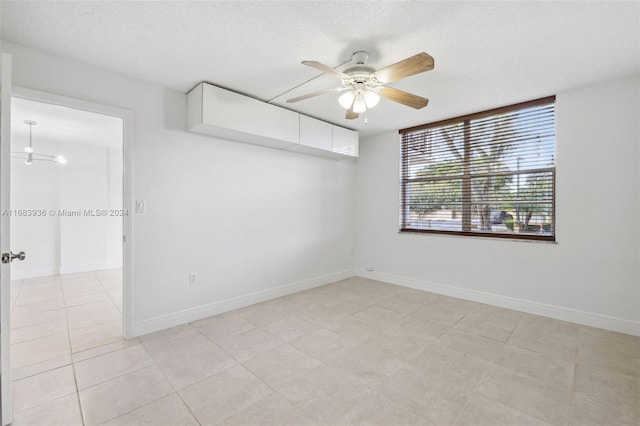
353, 352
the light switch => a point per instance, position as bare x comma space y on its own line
140, 206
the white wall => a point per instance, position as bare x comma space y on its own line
84, 185
246, 219
591, 275
66, 244
114, 202
35, 187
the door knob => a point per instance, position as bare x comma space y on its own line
20, 256
8, 257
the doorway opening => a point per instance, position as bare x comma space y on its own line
68, 216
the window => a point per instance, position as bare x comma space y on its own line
489, 174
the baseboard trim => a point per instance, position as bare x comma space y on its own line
23, 274
566, 314
177, 318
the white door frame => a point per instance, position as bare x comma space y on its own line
6, 413
127, 202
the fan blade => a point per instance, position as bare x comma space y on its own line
404, 98
350, 115
414, 65
318, 93
325, 69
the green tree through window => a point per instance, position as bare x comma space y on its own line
490, 173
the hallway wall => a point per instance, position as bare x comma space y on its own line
65, 243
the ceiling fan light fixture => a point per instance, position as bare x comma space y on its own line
359, 105
346, 99
28, 150
363, 85
29, 160
60, 159
371, 98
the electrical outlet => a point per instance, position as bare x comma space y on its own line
369, 268
193, 278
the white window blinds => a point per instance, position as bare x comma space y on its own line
487, 174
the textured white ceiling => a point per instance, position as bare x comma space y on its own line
61, 124
487, 54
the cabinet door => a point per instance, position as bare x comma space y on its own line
315, 133
220, 112
345, 141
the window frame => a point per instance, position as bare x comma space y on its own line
467, 176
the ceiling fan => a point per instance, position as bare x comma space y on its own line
364, 85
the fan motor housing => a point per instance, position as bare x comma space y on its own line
360, 75
359, 72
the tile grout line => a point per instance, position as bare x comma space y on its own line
37, 337
238, 363
154, 364
78, 396
51, 400
514, 329
260, 380
13, 305
109, 294
113, 377
195, 349
73, 365
473, 392
463, 407
70, 354
573, 391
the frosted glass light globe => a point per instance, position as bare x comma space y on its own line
371, 98
359, 106
346, 99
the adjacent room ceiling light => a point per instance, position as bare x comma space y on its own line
29, 155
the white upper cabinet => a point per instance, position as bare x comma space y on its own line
345, 141
222, 113
315, 133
